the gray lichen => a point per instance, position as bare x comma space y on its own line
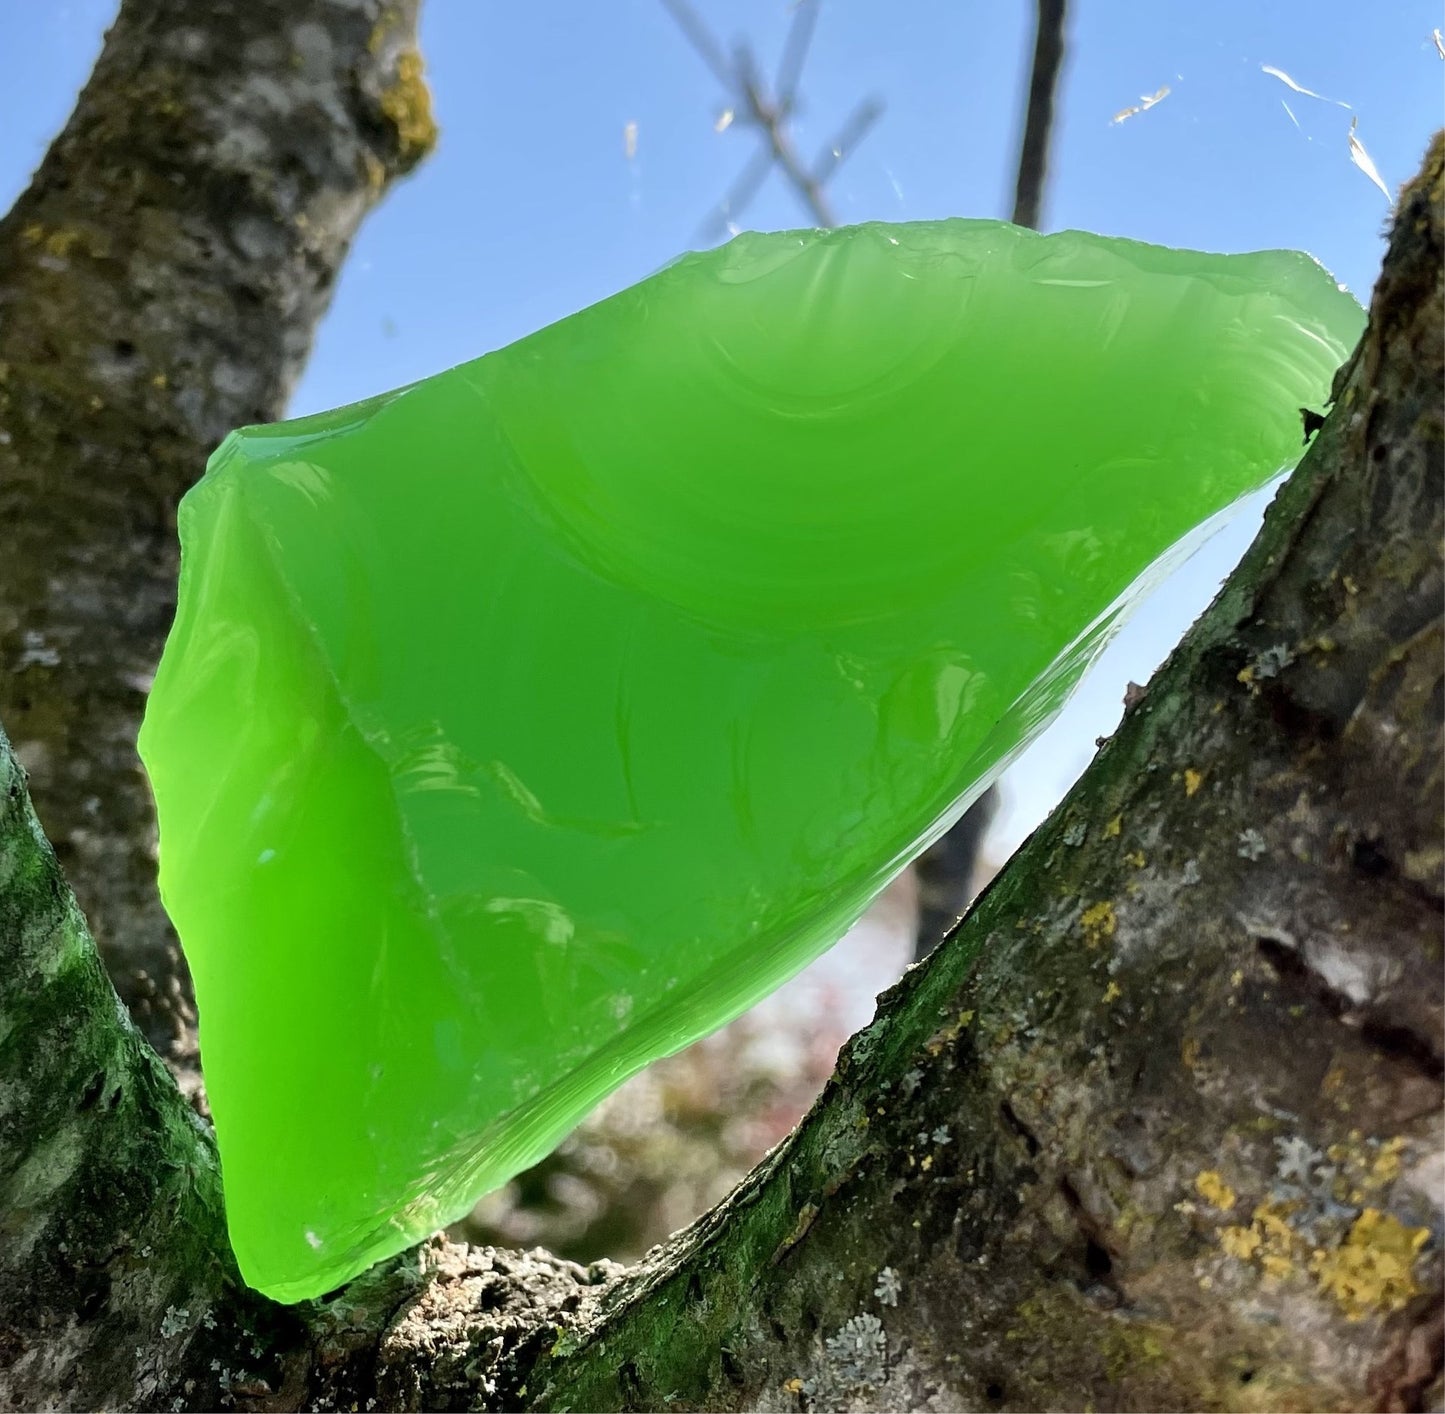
1268, 663
858, 1352
887, 1287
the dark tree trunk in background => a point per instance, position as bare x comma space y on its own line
160, 282
1038, 126
948, 871
1158, 1126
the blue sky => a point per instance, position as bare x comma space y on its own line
531, 207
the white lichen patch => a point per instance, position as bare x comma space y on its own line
1268, 663
1296, 1158
858, 1352
36, 652
887, 1287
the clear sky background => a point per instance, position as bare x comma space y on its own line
532, 208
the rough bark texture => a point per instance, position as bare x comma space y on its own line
1158, 1126
160, 282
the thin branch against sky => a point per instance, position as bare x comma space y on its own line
1033, 168
795, 52
768, 109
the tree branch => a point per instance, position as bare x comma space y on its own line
769, 112
1033, 166
160, 281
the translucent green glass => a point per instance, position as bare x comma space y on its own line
523, 725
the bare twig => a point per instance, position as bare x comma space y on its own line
742, 191
795, 52
847, 139
1033, 169
708, 49
768, 109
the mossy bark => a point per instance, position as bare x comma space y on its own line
1157, 1127
160, 281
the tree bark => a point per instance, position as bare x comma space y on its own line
160, 281
1157, 1127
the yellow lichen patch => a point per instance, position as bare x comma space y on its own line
373, 171
1269, 1240
1275, 1266
61, 243
1099, 922
1192, 780
1373, 1270
1272, 1220
1245, 675
1114, 827
385, 22
1210, 1186
58, 242
1240, 1243
1386, 1167
407, 106
945, 1036
1112, 993
1137, 858
1367, 1166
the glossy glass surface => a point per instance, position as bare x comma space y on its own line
524, 724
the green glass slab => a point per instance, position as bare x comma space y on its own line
525, 724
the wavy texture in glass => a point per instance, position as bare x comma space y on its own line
522, 725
